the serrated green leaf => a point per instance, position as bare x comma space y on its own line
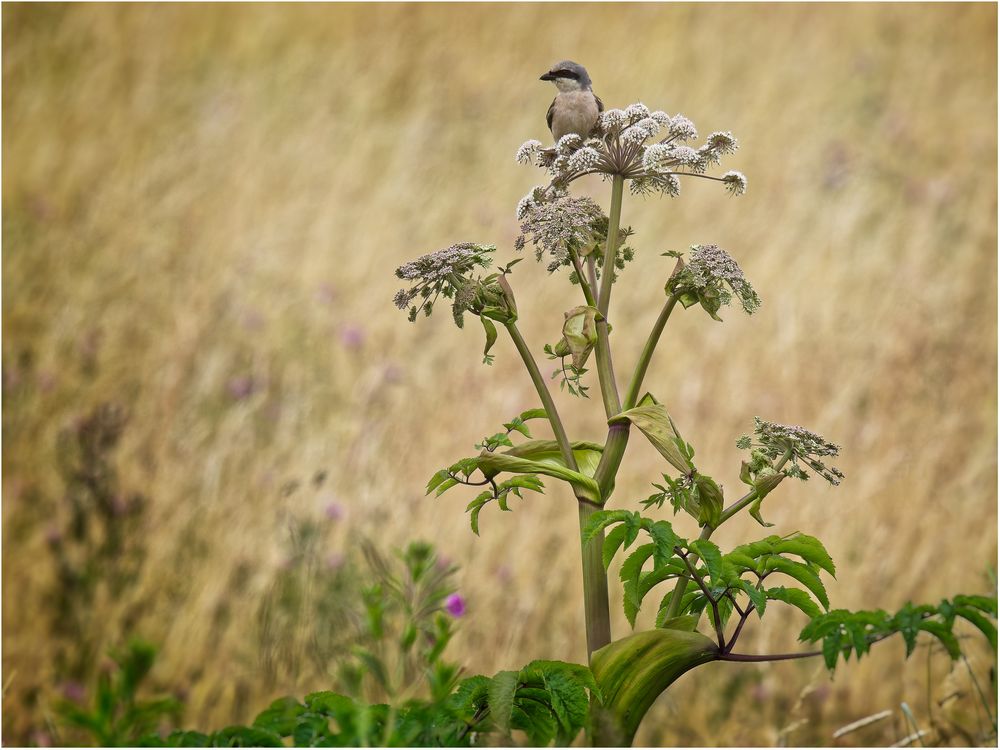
709, 552
534, 414
569, 703
444, 486
665, 540
629, 574
474, 519
612, 542
535, 720
633, 524
280, 717
500, 695
980, 621
599, 520
831, 649
943, 633
437, 479
796, 598
983, 603
810, 549
758, 597
801, 573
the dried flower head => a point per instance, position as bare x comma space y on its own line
705, 277
774, 440
736, 182
555, 227
446, 272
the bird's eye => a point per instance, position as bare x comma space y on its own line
567, 74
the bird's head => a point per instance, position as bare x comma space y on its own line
568, 76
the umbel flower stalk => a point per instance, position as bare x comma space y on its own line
650, 150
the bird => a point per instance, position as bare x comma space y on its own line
576, 107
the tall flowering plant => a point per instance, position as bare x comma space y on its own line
696, 585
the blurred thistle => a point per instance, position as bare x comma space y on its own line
621, 147
704, 279
772, 440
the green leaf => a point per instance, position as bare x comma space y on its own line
635, 670
984, 603
801, 573
491, 336
755, 512
535, 720
569, 703
280, 717
682, 622
796, 598
980, 621
758, 597
831, 649
543, 457
437, 479
534, 414
444, 486
612, 542
810, 549
663, 536
709, 500
501, 699
632, 524
943, 633
709, 552
329, 703
629, 574
246, 737
652, 419
601, 519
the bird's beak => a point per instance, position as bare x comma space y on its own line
547, 77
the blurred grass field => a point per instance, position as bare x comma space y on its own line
202, 209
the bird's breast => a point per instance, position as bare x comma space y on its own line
574, 112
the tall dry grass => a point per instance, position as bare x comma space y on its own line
202, 208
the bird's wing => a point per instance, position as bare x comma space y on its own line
548, 115
600, 104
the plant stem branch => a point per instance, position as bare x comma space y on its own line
632, 394
748, 498
673, 608
786, 657
597, 610
605, 367
588, 293
565, 448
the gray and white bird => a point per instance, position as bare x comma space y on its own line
575, 108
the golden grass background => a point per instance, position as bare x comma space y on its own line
196, 197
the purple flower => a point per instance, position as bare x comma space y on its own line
73, 691
240, 387
455, 605
334, 511
335, 560
352, 336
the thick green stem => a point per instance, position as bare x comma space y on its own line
597, 611
673, 608
605, 368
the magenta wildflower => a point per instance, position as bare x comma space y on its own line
455, 605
